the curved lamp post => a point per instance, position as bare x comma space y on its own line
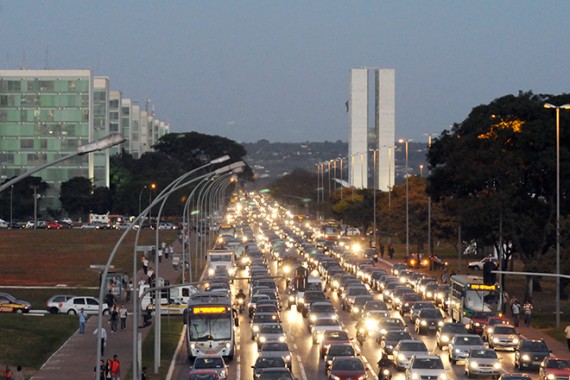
403, 141
104, 143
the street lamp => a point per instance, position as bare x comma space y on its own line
557, 108
429, 135
403, 141
140, 194
104, 143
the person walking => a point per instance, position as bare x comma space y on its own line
108, 369
103, 339
19, 374
123, 317
115, 368
102, 370
8, 373
527, 312
516, 309
567, 332
114, 319
144, 264
82, 320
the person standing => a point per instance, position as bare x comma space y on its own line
567, 332
8, 373
123, 317
103, 339
19, 374
114, 319
516, 309
82, 320
102, 370
115, 368
144, 264
527, 311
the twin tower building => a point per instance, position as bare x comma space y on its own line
371, 144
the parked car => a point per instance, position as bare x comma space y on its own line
89, 304
3, 224
54, 303
9, 304
478, 265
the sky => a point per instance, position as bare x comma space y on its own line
279, 70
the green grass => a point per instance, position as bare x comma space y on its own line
29, 341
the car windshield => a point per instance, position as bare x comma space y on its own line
322, 309
266, 362
275, 346
468, 340
260, 318
397, 335
454, 328
535, 346
428, 363
271, 329
413, 346
336, 335
326, 322
489, 354
348, 365
344, 350
504, 330
201, 363
430, 313
275, 375
557, 363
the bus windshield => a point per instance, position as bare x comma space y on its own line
202, 329
482, 300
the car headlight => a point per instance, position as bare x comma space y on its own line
497, 365
223, 374
444, 338
370, 324
262, 339
193, 346
457, 351
525, 358
440, 323
333, 377
397, 300
474, 365
495, 340
301, 300
291, 298
423, 322
361, 330
550, 376
282, 339
355, 309
313, 318
429, 294
516, 340
477, 324
442, 376
383, 331
401, 357
489, 330
287, 358
386, 372
415, 376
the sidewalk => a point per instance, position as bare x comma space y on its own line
77, 357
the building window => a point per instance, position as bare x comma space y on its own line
26, 144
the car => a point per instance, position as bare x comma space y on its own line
276, 374
428, 320
321, 325
388, 324
331, 337
320, 310
345, 368
89, 304
391, 340
3, 224
515, 376
503, 336
478, 265
407, 301
477, 323
460, 345
261, 318
264, 362
270, 332
338, 350
53, 304
491, 322
417, 260
447, 332
441, 296
530, 353
426, 367
553, 368
211, 362
405, 350
482, 362
203, 374
277, 349
417, 306
10, 304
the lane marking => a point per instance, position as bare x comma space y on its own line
301, 368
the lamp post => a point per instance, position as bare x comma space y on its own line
374, 151
11, 197
402, 141
140, 195
557, 108
104, 143
429, 135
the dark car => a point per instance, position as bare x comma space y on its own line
447, 332
428, 320
333, 337
344, 368
276, 374
391, 340
264, 362
530, 353
336, 351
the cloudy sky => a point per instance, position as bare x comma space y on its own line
279, 70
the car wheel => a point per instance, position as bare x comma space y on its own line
475, 269
71, 312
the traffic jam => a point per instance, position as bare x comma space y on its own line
314, 304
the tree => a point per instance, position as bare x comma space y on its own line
75, 196
22, 194
497, 169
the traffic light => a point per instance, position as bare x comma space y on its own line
489, 278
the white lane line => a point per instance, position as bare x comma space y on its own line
301, 368
238, 369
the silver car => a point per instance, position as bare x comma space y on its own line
426, 367
461, 344
405, 349
277, 349
503, 336
270, 332
482, 362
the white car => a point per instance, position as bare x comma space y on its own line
478, 265
405, 350
482, 362
426, 367
3, 224
89, 304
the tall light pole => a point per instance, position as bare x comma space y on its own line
402, 141
140, 195
11, 197
374, 196
429, 135
557, 108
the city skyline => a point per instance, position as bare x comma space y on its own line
280, 70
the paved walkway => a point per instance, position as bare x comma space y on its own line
76, 358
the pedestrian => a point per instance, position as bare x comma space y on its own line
527, 312
512, 302
114, 319
123, 317
144, 264
8, 373
444, 278
103, 339
150, 275
82, 320
108, 369
391, 251
567, 331
110, 300
381, 250
115, 368
160, 251
516, 309
143, 373
19, 374
102, 370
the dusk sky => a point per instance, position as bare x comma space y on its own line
279, 70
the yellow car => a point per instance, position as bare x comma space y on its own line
9, 304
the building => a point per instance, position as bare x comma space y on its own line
367, 142
48, 114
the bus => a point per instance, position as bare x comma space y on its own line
218, 258
469, 295
330, 230
210, 324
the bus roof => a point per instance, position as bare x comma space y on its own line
210, 297
466, 279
